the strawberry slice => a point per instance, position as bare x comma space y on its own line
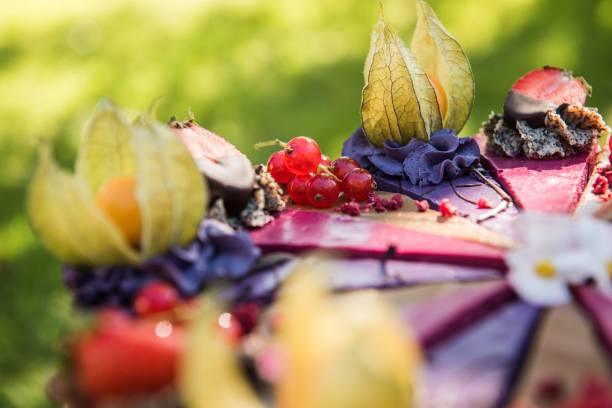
124, 357
553, 85
203, 143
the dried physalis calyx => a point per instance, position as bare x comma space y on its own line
414, 92
135, 193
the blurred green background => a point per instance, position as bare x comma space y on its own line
250, 70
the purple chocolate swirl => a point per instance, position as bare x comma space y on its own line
217, 252
445, 157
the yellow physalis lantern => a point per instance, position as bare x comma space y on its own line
135, 193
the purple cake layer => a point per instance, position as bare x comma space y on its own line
365, 273
438, 319
599, 308
479, 367
501, 222
296, 230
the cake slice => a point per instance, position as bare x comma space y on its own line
544, 147
554, 185
298, 230
478, 368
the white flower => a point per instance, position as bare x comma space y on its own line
559, 250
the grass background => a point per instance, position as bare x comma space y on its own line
251, 70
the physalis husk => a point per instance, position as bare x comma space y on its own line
415, 92
170, 192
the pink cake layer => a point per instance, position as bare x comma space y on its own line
298, 230
541, 185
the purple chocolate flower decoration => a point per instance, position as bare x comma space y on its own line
218, 252
445, 157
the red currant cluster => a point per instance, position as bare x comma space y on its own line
312, 178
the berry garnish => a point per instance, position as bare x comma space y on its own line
323, 190
600, 185
553, 85
302, 155
351, 208
422, 206
247, 314
276, 167
342, 165
325, 161
357, 184
127, 358
446, 208
117, 199
484, 203
155, 297
297, 189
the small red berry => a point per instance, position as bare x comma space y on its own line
155, 297
276, 167
302, 155
323, 190
342, 165
422, 206
247, 314
600, 186
357, 184
484, 203
351, 208
446, 208
298, 187
325, 161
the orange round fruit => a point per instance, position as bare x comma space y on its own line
117, 198
440, 94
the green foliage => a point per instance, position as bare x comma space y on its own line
250, 70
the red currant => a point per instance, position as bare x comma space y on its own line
342, 165
248, 314
323, 190
357, 184
483, 203
446, 208
325, 161
297, 188
302, 155
276, 167
155, 297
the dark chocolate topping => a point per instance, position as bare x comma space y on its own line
231, 178
520, 107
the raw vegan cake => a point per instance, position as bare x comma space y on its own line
421, 269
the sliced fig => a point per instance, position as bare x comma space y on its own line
229, 173
231, 178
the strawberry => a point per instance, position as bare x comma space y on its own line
124, 357
203, 143
553, 85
